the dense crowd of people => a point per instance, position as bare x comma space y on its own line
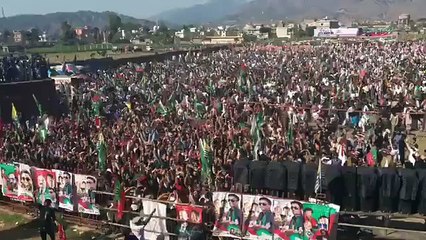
346, 103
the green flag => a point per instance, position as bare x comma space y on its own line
102, 153
162, 110
200, 109
206, 161
39, 107
256, 133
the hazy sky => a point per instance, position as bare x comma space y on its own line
136, 8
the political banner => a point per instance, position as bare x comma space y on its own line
45, 183
190, 226
9, 175
260, 218
156, 227
25, 184
303, 220
228, 214
65, 189
85, 185
189, 213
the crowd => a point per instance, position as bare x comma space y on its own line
348, 103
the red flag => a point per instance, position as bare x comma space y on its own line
61, 232
120, 199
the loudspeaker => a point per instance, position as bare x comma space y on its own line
276, 176
293, 176
367, 185
421, 194
257, 174
241, 172
309, 177
408, 192
390, 183
349, 193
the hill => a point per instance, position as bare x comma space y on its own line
212, 11
52, 22
243, 11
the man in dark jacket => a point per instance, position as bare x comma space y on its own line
47, 220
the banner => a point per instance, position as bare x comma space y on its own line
189, 213
85, 196
25, 184
156, 226
264, 217
304, 220
45, 185
9, 175
190, 226
65, 189
228, 214
260, 217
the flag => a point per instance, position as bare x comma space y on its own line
320, 178
200, 109
14, 113
39, 107
119, 199
206, 160
102, 153
256, 134
162, 110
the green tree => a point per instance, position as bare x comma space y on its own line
114, 25
68, 33
33, 36
6, 36
249, 38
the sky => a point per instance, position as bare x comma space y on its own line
135, 8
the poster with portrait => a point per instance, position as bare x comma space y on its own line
45, 184
85, 185
25, 184
303, 220
9, 175
191, 218
65, 189
260, 218
228, 214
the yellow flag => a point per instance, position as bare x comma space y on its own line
14, 113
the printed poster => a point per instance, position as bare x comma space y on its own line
189, 213
302, 220
45, 182
156, 227
65, 189
85, 185
25, 184
228, 214
260, 218
190, 225
9, 175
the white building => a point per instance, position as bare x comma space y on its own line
284, 32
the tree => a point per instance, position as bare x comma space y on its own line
6, 36
33, 36
114, 25
249, 38
68, 34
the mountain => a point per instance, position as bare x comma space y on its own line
243, 11
212, 11
52, 22
296, 9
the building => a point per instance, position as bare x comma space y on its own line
222, 40
336, 32
284, 32
404, 20
18, 37
319, 23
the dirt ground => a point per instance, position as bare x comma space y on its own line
14, 226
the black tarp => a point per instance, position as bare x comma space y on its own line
408, 192
241, 172
390, 184
293, 176
349, 190
367, 187
257, 174
276, 176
